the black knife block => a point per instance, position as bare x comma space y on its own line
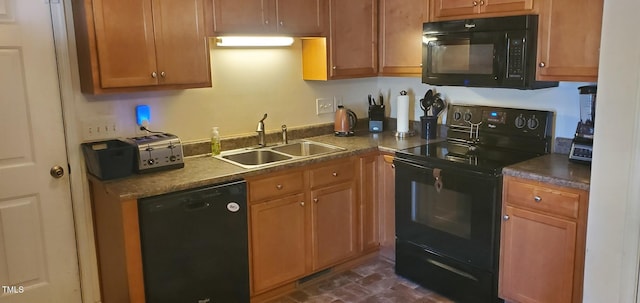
376, 118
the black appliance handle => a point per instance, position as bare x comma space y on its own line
196, 205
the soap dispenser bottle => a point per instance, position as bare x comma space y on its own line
215, 141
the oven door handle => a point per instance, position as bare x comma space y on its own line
452, 269
411, 164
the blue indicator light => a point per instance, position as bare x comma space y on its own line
143, 114
494, 114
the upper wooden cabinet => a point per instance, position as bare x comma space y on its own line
126, 45
459, 9
569, 40
290, 17
350, 51
400, 34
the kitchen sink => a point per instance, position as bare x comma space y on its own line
306, 148
256, 157
270, 155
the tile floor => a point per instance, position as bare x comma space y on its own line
371, 282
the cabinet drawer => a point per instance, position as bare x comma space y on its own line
333, 172
275, 186
548, 199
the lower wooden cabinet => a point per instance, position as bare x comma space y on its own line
335, 228
369, 202
542, 242
278, 241
303, 220
387, 202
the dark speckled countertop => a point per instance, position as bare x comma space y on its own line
554, 169
204, 170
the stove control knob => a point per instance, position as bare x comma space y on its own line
467, 117
457, 116
533, 123
151, 162
520, 121
172, 158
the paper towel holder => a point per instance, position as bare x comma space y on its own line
409, 132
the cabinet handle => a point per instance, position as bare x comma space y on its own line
154, 75
266, 22
475, 3
505, 217
537, 199
481, 2
315, 200
281, 23
302, 203
279, 186
163, 74
334, 68
335, 174
542, 64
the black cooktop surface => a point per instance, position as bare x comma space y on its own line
477, 158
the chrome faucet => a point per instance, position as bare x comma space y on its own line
285, 140
260, 130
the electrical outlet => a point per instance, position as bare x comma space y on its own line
140, 132
324, 106
102, 127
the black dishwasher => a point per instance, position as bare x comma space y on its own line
195, 245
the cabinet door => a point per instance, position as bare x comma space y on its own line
334, 228
241, 16
353, 39
387, 185
457, 9
567, 52
505, 6
450, 8
277, 242
298, 17
125, 42
537, 257
401, 36
181, 42
368, 181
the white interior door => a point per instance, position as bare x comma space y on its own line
38, 257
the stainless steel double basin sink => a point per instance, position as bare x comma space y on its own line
264, 156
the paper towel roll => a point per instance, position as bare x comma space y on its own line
403, 114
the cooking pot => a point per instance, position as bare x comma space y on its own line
345, 122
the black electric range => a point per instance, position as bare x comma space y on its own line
449, 198
486, 139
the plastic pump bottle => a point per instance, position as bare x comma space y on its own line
215, 141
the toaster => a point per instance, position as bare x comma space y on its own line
157, 151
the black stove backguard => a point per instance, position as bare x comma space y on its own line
449, 198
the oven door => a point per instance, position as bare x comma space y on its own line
449, 212
468, 59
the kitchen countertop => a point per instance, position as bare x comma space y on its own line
554, 169
205, 170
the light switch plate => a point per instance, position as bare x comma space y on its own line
324, 106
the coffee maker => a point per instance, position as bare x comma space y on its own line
582, 145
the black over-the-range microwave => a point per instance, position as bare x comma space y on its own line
486, 52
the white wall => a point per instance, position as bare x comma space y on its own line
248, 83
611, 273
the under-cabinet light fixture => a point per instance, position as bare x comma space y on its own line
247, 41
